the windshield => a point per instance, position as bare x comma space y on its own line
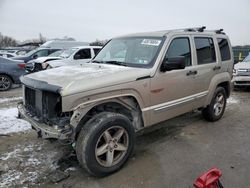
247, 59
56, 54
67, 53
133, 51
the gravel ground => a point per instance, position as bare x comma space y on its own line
170, 154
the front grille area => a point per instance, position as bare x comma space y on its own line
243, 72
45, 106
242, 82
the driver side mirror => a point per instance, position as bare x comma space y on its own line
35, 56
173, 63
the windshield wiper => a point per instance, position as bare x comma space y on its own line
96, 61
116, 63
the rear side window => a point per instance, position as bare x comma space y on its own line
224, 49
83, 54
180, 47
96, 50
205, 50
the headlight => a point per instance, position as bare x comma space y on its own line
44, 65
234, 72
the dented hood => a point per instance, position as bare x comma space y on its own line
69, 80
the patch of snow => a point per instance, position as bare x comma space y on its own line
232, 100
4, 100
9, 122
9, 177
10, 154
25, 165
70, 169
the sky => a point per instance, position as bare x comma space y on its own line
104, 19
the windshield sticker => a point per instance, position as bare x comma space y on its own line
151, 42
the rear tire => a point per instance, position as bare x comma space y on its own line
105, 143
5, 82
215, 110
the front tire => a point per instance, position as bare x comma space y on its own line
105, 143
215, 110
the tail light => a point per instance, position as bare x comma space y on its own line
21, 65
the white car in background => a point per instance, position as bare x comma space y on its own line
241, 73
71, 56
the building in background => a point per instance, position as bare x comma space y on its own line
240, 52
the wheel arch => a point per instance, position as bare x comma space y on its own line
220, 80
126, 105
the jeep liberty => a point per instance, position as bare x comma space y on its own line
135, 81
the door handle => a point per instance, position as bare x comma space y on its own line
217, 68
191, 73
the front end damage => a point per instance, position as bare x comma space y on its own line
43, 109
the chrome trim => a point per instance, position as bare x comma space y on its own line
173, 103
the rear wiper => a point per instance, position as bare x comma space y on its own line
116, 63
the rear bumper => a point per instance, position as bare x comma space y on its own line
43, 130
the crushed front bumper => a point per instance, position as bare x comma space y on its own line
43, 130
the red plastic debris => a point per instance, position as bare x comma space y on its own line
209, 179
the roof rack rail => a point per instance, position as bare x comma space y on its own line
196, 29
218, 31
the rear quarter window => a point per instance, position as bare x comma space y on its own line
224, 49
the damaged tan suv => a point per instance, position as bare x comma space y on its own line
135, 81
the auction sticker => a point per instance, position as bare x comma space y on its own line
151, 42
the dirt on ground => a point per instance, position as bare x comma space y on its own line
171, 154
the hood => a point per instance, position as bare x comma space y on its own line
242, 65
58, 63
74, 79
43, 59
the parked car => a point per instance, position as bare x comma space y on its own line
10, 72
40, 63
71, 56
241, 73
63, 44
7, 55
34, 54
135, 81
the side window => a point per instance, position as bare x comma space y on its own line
41, 53
180, 47
83, 54
205, 50
224, 49
97, 50
52, 51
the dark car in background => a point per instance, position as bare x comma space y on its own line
10, 72
39, 52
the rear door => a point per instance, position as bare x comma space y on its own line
207, 65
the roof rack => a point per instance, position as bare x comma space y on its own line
196, 29
199, 29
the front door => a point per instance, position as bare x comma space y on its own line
173, 92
